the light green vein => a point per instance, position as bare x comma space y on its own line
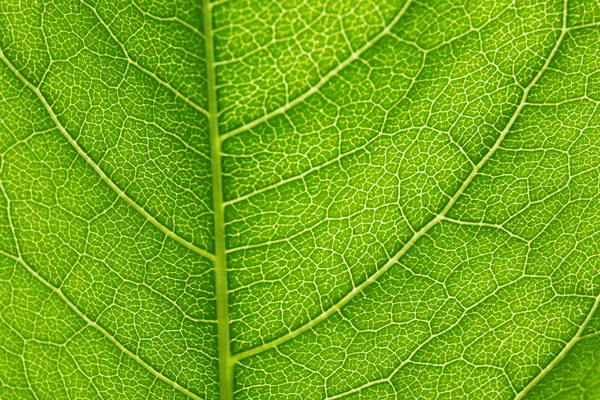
97, 168
326, 78
138, 66
349, 296
100, 329
175, 19
221, 286
589, 316
563, 352
364, 146
497, 145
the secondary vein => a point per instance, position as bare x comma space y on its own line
140, 67
326, 78
421, 232
563, 353
168, 232
100, 329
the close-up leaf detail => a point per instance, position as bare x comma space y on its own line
300, 199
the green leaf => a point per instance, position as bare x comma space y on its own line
258, 199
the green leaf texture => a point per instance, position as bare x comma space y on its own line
299, 199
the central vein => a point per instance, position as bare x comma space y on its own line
225, 364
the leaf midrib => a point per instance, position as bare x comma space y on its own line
220, 260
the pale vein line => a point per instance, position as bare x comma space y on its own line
174, 18
434, 336
174, 136
522, 104
138, 66
563, 352
336, 307
583, 26
487, 225
420, 346
16, 242
589, 335
304, 174
99, 328
97, 168
341, 155
354, 56
220, 260
81, 371
428, 340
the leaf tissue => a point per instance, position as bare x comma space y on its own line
299, 199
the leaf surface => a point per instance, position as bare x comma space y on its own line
299, 200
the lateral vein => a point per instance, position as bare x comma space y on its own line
141, 68
100, 329
563, 352
594, 308
421, 232
326, 78
191, 246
